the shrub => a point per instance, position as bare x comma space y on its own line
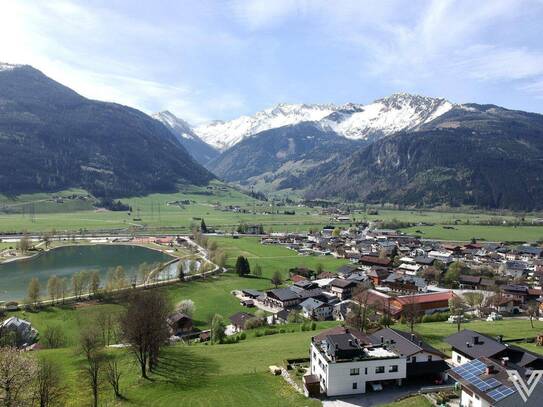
313, 326
258, 334
270, 332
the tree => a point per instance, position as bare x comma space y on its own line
53, 288
218, 328
320, 268
91, 348
77, 286
33, 292
94, 283
219, 258
106, 323
47, 239
50, 390
452, 274
203, 227
532, 310
113, 376
360, 312
411, 312
475, 300
457, 308
53, 337
257, 270
25, 244
277, 279
63, 288
186, 307
242, 266
144, 326
295, 316
17, 371
180, 271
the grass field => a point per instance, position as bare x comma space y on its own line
199, 375
479, 232
153, 211
434, 332
39, 213
416, 401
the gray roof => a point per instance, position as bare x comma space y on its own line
283, 294
405, 343
464, 341
311, 304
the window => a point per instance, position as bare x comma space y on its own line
429, 358
393, 368
380, 369
355, 386
355, 371
366, 371
459, 359
413, 359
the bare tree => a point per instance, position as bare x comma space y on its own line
33, 291
144, 327
94, 283
91, 348
358, 316
17, 372
532, 310
475, 301
113, 376
52, 288
49, 388
457, 306
53, 337
411, 311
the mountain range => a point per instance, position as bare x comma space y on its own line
52, 138
404, 149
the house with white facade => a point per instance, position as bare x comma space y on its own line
346, 363
486, 383
313, 308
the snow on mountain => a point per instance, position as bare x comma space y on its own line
224, 134
4, 66
385, 116
179, 126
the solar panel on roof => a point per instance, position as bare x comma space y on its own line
501, 392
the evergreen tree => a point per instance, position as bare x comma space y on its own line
203, 227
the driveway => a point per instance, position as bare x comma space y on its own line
388, 395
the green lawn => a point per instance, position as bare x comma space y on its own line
416, 401
479, 232
153, 211
435, 332
200, 375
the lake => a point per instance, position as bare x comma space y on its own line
65, 261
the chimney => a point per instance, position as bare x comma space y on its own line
476, 340
500, 338
350, 342
382, 339
468, 345
412, 337
504, 361
489, 370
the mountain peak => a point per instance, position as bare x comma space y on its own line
4, 66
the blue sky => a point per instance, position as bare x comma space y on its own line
208, 60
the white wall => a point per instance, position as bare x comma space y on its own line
337, 380
468, 401
458, 359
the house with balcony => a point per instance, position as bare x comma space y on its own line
346, 363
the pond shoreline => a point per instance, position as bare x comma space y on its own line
44, 251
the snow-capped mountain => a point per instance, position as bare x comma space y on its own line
8, 67
385, 116
199, 149
224, 134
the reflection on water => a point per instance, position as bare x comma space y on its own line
66, 261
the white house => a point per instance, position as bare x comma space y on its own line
345, 364
316, 309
